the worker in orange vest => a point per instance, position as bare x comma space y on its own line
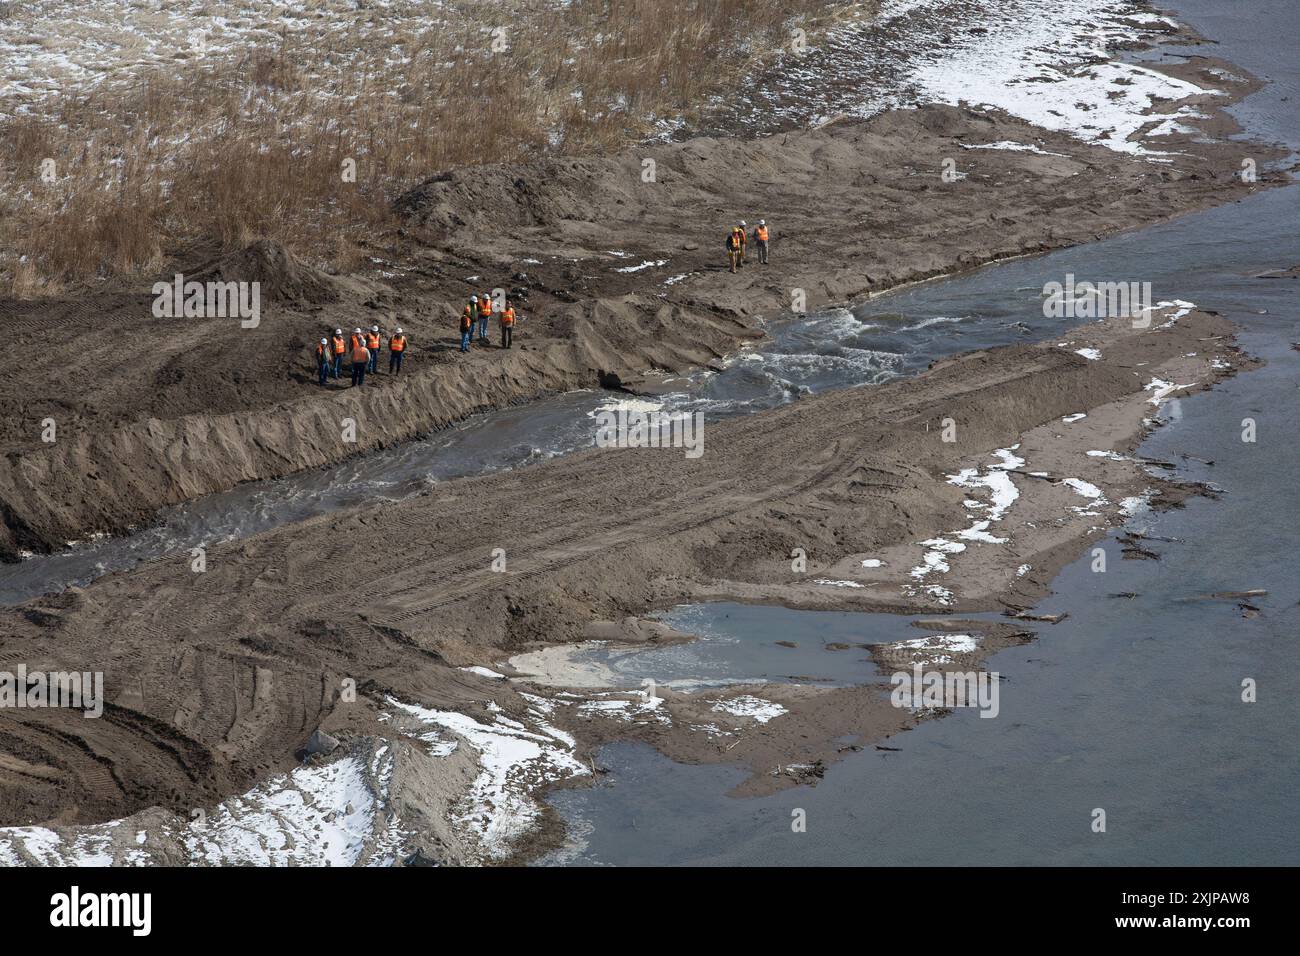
467, 324
323, 359
760, 237
484, 313
339, 348
507, 325
356, 339
733, 248
740, 234
360, 359
396, 346
372, 346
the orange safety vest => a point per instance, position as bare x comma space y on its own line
372, 340
359, 354
397, 343
322, 353
466, 320
762, 233
485, 307
339, 347
354, 341
508, 316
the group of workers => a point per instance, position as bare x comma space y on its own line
737, 243
362, 350
478, 311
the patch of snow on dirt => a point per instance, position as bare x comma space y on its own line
1160, 389
937, 648
746, 705
484, 672
1008, 145
332, 814
1181, 308
1002, 495
314, 816
647, 264
1053, 70
499, 808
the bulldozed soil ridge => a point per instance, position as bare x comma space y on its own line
616, 274
216, 679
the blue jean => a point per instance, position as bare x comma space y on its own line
338, 364
323, 367
464, 339
482, 326
395, 361
374, 360
358, 373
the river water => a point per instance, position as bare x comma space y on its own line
1132, 706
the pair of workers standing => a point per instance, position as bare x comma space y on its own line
737, 244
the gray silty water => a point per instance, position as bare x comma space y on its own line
1129, 705
739, 642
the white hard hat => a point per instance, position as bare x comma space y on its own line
742, 222
374, 328
357, 329
762, 222
324, 341
338, 331
399, 331
474, 297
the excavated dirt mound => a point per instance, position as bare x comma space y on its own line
280, 275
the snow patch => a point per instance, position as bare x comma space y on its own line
747, 705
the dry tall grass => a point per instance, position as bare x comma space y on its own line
256, 146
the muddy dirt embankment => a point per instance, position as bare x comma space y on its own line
216, 679
151, 412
